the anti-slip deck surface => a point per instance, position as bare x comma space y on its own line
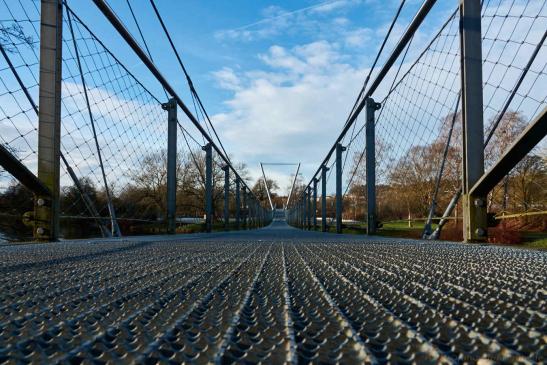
274, 295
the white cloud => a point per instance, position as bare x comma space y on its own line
358, 37
276, 20
227, 79
331, 6
291, 112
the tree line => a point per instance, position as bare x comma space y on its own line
406, 184
142, 194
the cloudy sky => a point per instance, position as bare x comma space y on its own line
277, 77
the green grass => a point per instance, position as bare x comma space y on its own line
536, 245
403, 224
400, 229
357, 229
389, 229
534, 240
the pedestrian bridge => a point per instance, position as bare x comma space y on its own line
97, 140
271, 295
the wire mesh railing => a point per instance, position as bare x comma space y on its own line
418, 129
113, 138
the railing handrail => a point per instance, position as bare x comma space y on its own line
126, 35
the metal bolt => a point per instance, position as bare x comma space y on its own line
481, 232
40, 230
479, 202
40, 202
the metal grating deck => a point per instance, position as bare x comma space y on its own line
275, 295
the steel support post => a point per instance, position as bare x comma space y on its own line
171, 107
290, 216
305, 209
258, 213
339, 150
245, 207
302, 212
250, 213
226, 197
238, 204
370, 165
255, 213
314, 204
297, 213
309, 206
46, 207
208, 148
324, 170
475, 228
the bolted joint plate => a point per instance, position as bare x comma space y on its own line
169, 105
373, 105
41, 218
476, 225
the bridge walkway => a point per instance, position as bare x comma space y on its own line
272, 295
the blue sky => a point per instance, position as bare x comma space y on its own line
278, 78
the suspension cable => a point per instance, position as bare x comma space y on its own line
354, 172
188, 79
377, 57
427, 226
115, 229
143, 39
183, 130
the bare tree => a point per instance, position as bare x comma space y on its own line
14, 32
